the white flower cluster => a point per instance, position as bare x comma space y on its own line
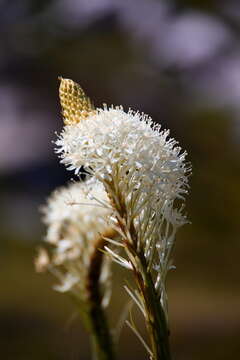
144, 172
77, 219
129, 139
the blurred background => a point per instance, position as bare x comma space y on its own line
178, 61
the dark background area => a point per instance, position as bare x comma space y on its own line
179, 62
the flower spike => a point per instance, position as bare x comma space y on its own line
76, 106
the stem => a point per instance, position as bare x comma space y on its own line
101, 337
155, 316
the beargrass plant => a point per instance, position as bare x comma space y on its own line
143, 176
76, 226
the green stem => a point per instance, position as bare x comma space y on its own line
95, 322
102, 346
101, 337
154, 314
155, 317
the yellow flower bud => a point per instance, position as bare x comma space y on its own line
76, 106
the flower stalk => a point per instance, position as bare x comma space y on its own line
94, 317
155, 317
144, 179
76, 228
154, 314
102, 344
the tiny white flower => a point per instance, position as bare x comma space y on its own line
42, 260
67, 283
